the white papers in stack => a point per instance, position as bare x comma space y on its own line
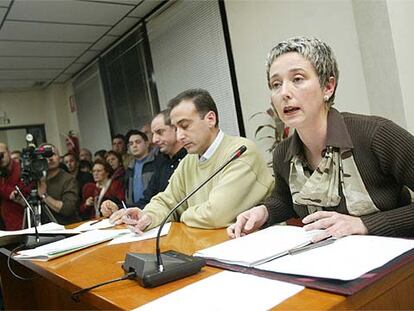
68, 245
134, 237
346, 259
258, 247
226, 291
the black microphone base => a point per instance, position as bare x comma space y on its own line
176, 266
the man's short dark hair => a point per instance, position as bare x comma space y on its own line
120, 136
136, 132
166, 115
202, 100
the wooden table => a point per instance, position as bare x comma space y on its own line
57, 279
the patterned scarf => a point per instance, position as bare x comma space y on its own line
321, 189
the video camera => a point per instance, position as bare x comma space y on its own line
34, 161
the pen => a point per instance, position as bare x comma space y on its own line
305, 248
123, 205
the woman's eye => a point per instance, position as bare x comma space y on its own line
276, 85
297, 79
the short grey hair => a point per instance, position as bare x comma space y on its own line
318, 53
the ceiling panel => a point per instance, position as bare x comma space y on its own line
34, 62
41, 49
103, 43
51, 40
125, 25
145, 7
5, 3
79, 12
124, 2
87, 57
34, 31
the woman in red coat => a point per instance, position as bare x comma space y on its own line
104, 188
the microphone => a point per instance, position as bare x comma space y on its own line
170, 265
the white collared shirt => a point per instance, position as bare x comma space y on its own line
213, 147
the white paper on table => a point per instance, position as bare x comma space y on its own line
50, 227
346, 259
95, 225
227, 290
261, 245
133, 237
68, 245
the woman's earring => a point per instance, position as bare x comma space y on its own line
326, 98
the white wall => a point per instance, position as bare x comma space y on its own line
49, 107
402, 25
256, 26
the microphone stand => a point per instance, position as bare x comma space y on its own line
152, 273
46, 238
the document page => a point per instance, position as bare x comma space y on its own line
49, 227
68, 245
134, 237
346, 259
264, 244
226, 291
95, 224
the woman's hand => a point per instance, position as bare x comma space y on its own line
248, 221
334, 224
89, 201
108, 208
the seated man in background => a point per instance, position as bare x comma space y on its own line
72, 163
85, 155
171, 153
141, 169
59, 191
242, 184
12, 209
119, 145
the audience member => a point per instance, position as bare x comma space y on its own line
342, 173
99, 155
119, 145
85, 166
59, 191
11, 206
171, 153
72, 163
140, 170
103, 188
115, 160
85, 155
242, 184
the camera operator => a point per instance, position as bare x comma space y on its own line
12, 208
59, 190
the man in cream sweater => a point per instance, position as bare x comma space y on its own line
242, 184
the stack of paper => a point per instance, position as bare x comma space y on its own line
68, 245
345, 259
258, 247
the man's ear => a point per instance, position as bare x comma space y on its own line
211, 118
